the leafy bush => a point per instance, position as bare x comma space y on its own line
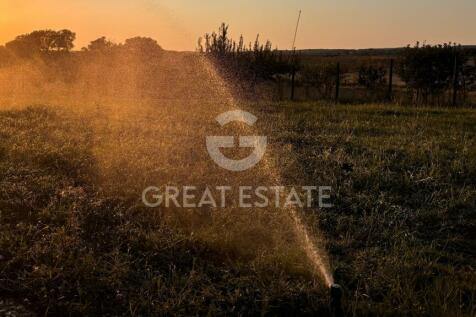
431, 70
320, 77
371, 77
253, 62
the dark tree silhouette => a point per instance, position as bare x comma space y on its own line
100, 45
143, 44
431, 70
42, 42
251, 63
63, 40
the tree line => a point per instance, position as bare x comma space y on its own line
431, 73
250, 62
54, 44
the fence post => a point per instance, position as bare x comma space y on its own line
337, 82
390, 81
455, 81
293, 79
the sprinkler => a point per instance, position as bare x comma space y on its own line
336, 301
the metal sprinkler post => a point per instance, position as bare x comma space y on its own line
336, 301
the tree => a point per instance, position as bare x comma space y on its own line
42, 42
430, 70
253, 63
100, 45
142, 44
63, 40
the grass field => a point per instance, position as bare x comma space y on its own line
401, 235
402, 232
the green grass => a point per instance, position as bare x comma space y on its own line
402, 231
401, 234
76, 240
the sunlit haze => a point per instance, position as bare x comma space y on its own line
176, 25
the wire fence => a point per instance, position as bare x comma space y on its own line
372, 81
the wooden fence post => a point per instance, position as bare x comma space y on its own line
455, 81
337, 82
293, 80
390, 81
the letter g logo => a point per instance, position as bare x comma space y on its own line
214, 143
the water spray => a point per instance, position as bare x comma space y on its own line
296, 32
335, 289
293, 57
315, 253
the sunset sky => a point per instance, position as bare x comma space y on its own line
177, 24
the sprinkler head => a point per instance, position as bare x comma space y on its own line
336, 292
336, 300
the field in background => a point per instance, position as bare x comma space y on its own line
351, 91
400, 234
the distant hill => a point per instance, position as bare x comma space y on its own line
364, 52
352, 52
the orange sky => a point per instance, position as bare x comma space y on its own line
177, 24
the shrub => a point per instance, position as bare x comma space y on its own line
253, 62
320, 77
371, 77
430, 70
